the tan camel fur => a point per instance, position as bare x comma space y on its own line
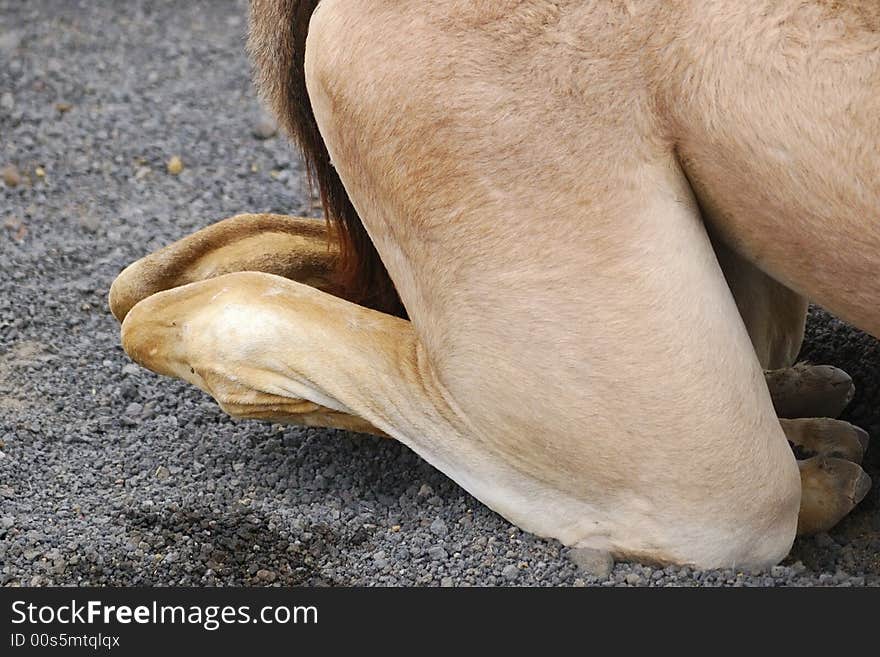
567, 238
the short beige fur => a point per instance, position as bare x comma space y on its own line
604, 219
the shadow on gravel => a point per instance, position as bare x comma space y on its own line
239, 548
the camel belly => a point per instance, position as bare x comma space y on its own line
777, 121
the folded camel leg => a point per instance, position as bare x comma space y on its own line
293, 247
270, 348
296, 248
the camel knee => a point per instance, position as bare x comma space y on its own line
770, 515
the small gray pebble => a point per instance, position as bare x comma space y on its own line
265, 127
778, 571
598, 563
510, 572
134, 409
91, 223
9, 41
437, 553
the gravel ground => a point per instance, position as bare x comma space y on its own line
110, 475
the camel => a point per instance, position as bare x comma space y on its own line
567, 260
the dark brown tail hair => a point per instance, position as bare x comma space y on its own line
276, 42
